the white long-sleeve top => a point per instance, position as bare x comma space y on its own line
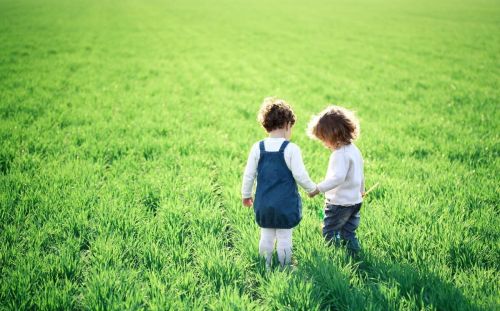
293, 160
344, 181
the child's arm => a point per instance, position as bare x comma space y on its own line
339, 165
249, 176
299, 171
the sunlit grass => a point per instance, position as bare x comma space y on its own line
125, 127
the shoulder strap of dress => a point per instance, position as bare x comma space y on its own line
261, 146
283, 145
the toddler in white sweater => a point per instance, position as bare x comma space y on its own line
343, 185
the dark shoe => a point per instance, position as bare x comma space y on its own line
353, 247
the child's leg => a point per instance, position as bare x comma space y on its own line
348, 231
284, 246
266, 244
335, 218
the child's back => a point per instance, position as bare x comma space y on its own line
292, 157
277, 200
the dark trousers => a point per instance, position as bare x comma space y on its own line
340, 223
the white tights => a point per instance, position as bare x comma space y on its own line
283, 247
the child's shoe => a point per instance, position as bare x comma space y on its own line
353, 247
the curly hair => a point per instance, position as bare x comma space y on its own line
335, 125
275, 114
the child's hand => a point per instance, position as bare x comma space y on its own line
248, 202
314, 193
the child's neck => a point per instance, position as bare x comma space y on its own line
279, 133
338, 146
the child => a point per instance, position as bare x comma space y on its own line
278, 165
343, 185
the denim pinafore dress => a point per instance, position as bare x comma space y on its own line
277, 200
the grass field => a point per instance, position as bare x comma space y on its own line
125, 127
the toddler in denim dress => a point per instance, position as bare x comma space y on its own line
277, 165
343, 186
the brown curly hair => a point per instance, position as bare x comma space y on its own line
275, 114
335, 125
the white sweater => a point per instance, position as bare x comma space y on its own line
344, 181
293, 160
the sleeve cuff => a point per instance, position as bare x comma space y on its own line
321, 188
312, 188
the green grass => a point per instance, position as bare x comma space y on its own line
125, 127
